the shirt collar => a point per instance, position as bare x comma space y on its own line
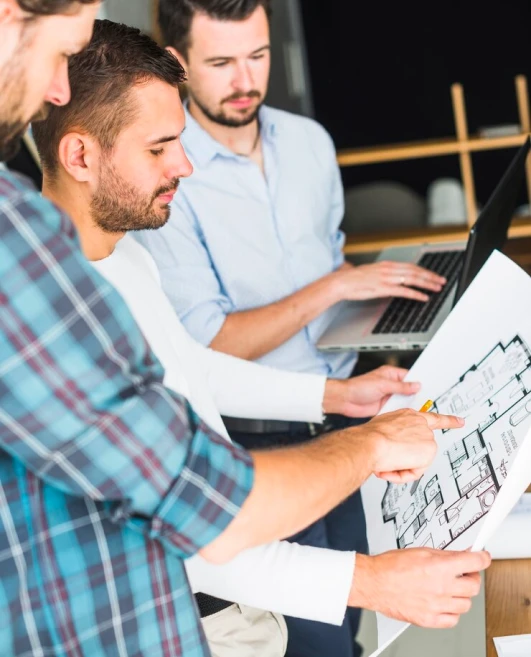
203, 148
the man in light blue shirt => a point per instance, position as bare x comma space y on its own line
252, 257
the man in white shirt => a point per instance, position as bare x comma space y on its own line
252, 256
105, 167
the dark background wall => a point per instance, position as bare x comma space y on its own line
381, 73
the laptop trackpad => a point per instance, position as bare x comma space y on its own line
363, 314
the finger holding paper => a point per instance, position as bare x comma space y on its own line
439, 584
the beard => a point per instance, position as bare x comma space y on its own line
10, 138
118, 206
221, 118
12, 132
12, 129
13, 92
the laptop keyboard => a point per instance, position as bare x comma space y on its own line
408, 316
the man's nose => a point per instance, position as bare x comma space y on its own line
243, 80
59, 91
181, 167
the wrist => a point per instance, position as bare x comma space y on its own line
364, 583
334, 397
376, 450
336, 287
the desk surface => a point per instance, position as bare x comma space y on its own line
508, 582
507, 599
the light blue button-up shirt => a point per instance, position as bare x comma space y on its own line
237, 240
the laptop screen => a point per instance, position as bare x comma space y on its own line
492, 226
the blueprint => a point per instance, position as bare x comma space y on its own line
478, 366
494, 396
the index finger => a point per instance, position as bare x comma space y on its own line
427, 273
392, 372
437, 421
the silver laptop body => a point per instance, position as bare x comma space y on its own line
352, 328
355, 327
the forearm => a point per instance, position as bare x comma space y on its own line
244, 389
294, 487
251, 334
275, 577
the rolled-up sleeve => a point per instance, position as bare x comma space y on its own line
188, 276
82, 403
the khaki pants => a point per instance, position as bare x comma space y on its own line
240, 631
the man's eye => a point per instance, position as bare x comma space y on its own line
258, 56
220, 64
157, 152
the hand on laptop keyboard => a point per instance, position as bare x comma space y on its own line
386, 279
406, 316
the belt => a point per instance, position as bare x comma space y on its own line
243, 425
209, 605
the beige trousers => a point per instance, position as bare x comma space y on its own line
240, 631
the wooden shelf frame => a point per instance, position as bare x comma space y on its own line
424, 149
463, 146
368, 243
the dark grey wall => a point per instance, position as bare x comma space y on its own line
290, 86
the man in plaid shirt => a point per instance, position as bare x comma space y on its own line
108, 480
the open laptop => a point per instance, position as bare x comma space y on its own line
382, 324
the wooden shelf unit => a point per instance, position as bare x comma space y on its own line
462, 145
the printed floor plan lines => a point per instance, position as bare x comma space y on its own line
494, 396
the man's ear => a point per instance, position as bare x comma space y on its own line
78, 155
179, 57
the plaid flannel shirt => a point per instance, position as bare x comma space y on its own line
107, 479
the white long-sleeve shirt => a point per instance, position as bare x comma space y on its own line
287, 578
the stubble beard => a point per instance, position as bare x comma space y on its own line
118, 207
221, 118
13, 91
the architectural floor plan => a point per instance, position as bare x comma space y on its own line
477, 366
494, 396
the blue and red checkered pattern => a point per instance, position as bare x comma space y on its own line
107, 479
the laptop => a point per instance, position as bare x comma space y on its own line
383, 324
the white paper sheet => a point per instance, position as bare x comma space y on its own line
512, 540
477, 366
513, 646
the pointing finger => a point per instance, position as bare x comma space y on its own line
437, 421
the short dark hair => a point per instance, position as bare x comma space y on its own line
175, 16
117, 58
49, 7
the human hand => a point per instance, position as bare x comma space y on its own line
364, 396
385, 279
403, 444
429, 588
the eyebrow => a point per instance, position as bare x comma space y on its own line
221, 57
165, 140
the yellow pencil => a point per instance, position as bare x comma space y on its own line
427, 406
